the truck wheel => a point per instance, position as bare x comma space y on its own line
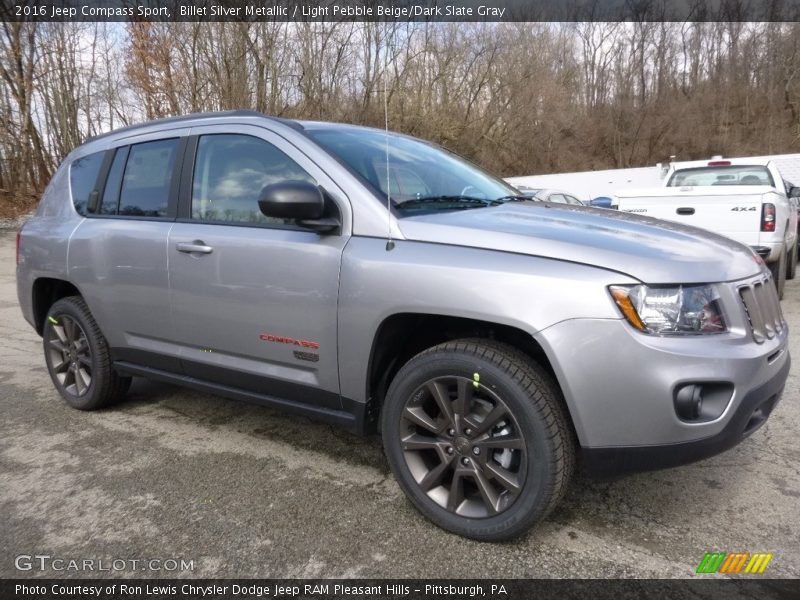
778, 270
791, 263
77, 357
478, 439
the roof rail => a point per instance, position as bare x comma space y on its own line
189, 117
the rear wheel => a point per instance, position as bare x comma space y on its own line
778, 269
791, 264
77, 357
477, 437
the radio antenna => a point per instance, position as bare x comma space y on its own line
389, 241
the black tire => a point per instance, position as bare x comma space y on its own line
77, 357
791, 263
778, 270
535, 412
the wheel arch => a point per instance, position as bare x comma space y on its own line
46, 292
401, 336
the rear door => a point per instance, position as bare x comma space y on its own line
254, 299
118, 254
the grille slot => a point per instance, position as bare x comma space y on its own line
763, 309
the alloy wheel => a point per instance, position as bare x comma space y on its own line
463, 446
70, 354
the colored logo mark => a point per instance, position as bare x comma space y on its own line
734, 562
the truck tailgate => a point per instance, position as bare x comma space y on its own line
732, 211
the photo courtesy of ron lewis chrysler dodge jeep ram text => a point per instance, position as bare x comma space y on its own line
384, 284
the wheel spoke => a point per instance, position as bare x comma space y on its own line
456, 495
80, 383
487, 492
60, 333
85, 361
463, 402
419, 442
504, 477
434, 476
69, 328
510, 441
58, 345
61, 366
498, 412
69, 377
419, 417
439, 393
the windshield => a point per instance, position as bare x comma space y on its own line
421, 176
722, 175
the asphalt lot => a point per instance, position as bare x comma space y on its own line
245, 491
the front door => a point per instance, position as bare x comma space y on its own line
254, 299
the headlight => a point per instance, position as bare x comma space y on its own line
673, 310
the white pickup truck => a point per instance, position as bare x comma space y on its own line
744, 199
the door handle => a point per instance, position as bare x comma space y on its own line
685, 210
196, 246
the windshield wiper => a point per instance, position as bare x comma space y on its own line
517, 198
468, 200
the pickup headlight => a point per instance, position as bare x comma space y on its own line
673, 310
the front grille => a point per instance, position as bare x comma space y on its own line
763, 309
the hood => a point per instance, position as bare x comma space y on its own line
651, 250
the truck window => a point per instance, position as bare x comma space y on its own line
722, 175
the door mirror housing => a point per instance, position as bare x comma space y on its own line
298, 200
794, 192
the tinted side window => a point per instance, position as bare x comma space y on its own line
230, 171
83, 177
110, 203
147, 180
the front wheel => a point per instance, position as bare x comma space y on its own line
77, 357
477, 437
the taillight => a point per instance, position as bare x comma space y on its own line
19, 240
768, 217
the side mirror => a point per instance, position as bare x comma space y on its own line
794, 192
291, 200
299, 200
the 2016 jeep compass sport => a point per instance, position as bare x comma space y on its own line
382, 283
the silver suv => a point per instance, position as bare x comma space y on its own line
384, 284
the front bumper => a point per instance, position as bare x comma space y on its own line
752, 412
621, 386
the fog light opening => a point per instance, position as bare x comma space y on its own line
689, 402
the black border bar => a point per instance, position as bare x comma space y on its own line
408, 589
399, 10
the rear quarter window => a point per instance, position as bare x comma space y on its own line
83, 174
